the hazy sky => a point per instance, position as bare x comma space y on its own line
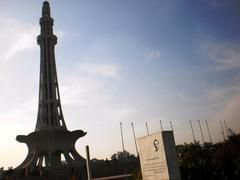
122, 61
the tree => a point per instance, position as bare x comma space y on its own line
210, 161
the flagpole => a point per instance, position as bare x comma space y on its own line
125, 166
201, 131
147, 129
208, 131
226, 128
134, 138
222, 130
171, 125
192, 131
161, 125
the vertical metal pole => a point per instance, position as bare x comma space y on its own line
192, 131
147, 129
226, 128
122, 137
222, 131
201, 130
161, 125
125, 165
208, 131
89, 169
134, 138
171, 125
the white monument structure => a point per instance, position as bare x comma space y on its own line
158, 156
51, 143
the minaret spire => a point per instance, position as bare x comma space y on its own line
51, 141
46, 9
50, 114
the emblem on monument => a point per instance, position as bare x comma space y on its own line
156, 144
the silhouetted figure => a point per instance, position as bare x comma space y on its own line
9, 174
79, 176
73, 175
115, 160
107, 163
41, 172
1, 173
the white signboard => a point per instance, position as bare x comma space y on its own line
158, 157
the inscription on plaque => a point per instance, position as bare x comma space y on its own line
154, 159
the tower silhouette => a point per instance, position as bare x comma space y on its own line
51, 144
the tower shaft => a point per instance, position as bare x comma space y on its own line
50, 114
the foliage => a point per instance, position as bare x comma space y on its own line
117, 165
210, 161
122, 156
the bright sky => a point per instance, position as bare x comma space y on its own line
122, 61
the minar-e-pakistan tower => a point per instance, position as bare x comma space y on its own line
51, 142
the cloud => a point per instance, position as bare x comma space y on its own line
230, 113
76, 89
223, 91
183, 97
16, 36
224, 59
91, 94
225, 55
153, 55
108, 70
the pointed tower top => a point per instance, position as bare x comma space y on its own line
45, 9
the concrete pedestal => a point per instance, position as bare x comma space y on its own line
158, 157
